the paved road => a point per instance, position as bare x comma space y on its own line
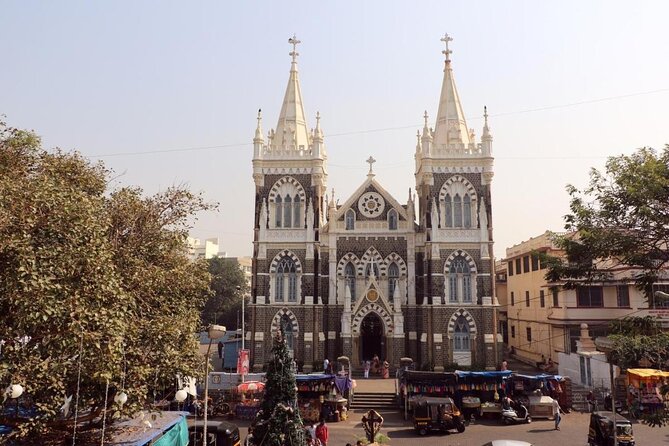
573, 432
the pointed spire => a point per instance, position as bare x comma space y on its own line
318, 133
451, 126
486, 130
258, 137
291, 130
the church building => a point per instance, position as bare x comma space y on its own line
371, 275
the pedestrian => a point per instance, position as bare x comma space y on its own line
367, 367
326, 365
322, 433
557, 410
592, 401
312, 432
221, 347
505, 365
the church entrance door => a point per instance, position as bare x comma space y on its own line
371, 337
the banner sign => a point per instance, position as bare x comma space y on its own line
243, 362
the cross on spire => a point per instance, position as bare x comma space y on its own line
294, 41
447, 52
371, 161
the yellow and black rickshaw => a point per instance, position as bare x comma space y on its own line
600, 432
436, 414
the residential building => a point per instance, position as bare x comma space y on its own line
545, 319
368, 276
198, 249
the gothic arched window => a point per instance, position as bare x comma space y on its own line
392, 219
349, 278
288, 333
448, 207
287, 212
278, 212
461, 335
467, 211
460, 281
393, 279
350, 220
286, 280
297, 223
368, 270
457, 211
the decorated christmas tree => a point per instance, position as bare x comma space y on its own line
278, 423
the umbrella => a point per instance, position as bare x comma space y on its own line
251, 386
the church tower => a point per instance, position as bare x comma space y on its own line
454, 277
289, 171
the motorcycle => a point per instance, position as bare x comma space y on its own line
516, 416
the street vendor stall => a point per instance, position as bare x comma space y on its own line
644, 389
537, 392
416, 384
323, 396
478, 393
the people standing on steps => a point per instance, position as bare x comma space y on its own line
367, 367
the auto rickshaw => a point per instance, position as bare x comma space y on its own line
600, 432
436, 414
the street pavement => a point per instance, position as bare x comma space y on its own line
573, 432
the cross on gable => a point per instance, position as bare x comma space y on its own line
370, 161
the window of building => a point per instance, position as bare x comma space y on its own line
460, 281
288, 334
513, 331
349, 278
296, 213
510, 268
448, 211
457, 211
556, 301
287, 211
286, 280
392, 219
528, 333
467, 211
518, 270
542, 299
660, 303
513, 300
623, 292
535, 262
393, 278
350, 220
590, 296
526, 264
372, 266
279, 211
461, 335
527, 298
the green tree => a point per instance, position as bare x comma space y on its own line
97, 295
278, 422
622, 215
228, 285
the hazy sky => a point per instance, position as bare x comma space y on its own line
116, 80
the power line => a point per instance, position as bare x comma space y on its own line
404, 127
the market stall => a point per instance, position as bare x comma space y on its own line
247, 400
478, 393
537, 392
644, 389
323, 396
416, 384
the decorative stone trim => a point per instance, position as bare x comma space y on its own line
280, 182
280, 255
277, 318
259, 336
413, 336
348, 257
372, 308
308, 337
458, 253
460, 179
372, 255
438, 337
468, 317
332, 335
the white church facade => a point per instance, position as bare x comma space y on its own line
373, 275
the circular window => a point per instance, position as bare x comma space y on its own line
371, 204
372, 295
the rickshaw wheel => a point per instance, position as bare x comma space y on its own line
529, 420
422, 431
461, 428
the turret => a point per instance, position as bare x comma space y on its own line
426, 138
258, 140
486, 137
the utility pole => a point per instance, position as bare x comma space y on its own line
239, 288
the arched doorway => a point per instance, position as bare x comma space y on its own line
371, 337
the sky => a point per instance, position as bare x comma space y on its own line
166, 93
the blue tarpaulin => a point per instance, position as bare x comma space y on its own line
314, 377
484, 375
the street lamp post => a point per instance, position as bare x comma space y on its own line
605, 345
213, 332
239, 288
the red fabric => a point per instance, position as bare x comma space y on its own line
322, 433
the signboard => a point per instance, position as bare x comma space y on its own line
243, 362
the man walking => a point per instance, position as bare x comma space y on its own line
556, 411
326, 365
